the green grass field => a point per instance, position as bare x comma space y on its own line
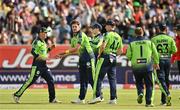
37, 99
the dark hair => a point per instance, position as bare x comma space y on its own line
110, 22
75, 22
162, 26
43, 29
97, 25
138, 31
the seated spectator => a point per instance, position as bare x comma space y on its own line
14, 39
3, 38
64, 31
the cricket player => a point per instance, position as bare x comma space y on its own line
96, 42
80, 43
97, 38
143, 56
165, 46
110, 48
39, 67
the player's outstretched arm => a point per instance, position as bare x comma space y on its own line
68, 52
51, 47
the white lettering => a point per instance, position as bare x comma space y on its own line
66, 78
13, 78
6, 64
123, 60
23, 63
174, 77
71, 61
40, 80
54, 63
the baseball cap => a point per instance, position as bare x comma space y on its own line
110, 22
43, 29
97, 25
162, 26
136, 4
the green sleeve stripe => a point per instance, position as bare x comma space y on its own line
158, 82
93, 68
97, 70
27, 83
153, 90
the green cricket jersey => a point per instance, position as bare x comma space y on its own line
142, 54
82, 39
96, 42
85, 49
165, 45
39, 48
113, 41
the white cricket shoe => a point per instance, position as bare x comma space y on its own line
16, 98
95, 100
114, 101
55, 101
102, 99
78, 101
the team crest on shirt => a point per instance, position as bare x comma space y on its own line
88, 64
38, 72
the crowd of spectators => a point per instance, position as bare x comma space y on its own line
20, 20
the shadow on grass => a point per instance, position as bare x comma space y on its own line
25, 103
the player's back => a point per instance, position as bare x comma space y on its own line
140, 54
114, 42
165, 45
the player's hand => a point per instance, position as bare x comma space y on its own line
156, 66
53, 46
59, 56
98, 57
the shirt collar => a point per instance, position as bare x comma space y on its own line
140, 38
